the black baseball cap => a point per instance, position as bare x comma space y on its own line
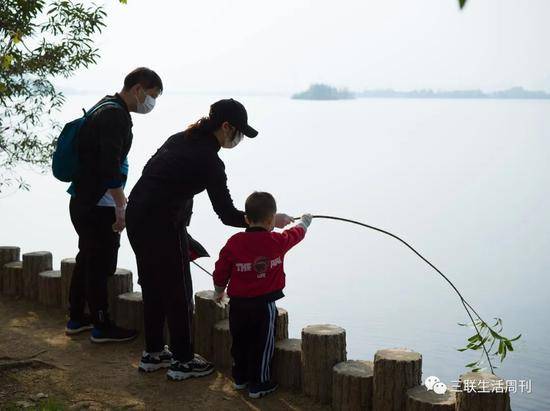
234, 113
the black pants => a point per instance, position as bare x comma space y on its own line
161, 249
95, 262
252, 327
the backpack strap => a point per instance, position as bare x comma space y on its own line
88, 113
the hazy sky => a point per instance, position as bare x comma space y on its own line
283, 46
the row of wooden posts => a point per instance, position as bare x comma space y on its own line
316, 364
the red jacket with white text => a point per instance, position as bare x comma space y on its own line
252, 263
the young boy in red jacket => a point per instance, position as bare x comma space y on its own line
252, 263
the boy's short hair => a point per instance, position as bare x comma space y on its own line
144, 76
260, 206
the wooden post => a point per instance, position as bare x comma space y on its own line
420, 399
12, 278
323, 346
352, 386
222, 345
33, 264
129, 311
395, 371
7, 255
207, 314
67, 268
49, 288
287, 363
281, 333
482, 391
118, 283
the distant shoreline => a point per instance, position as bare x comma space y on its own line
325, 92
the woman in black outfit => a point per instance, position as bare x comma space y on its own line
159, 209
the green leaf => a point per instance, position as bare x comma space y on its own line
472, 364
474, 337
496, 335
516, 338
509, 345
462, 3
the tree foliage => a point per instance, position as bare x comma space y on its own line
40, 40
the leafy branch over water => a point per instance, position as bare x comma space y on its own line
486, 334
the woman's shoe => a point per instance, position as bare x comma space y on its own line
197, 367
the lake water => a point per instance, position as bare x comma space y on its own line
466, 182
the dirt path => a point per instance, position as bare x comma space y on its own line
38, 360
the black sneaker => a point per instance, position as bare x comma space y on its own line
155, 361
260, 390
112, 333
197, 367
77, 326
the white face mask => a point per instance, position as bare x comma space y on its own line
233, 143
147, 105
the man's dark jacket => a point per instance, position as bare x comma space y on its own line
103, 143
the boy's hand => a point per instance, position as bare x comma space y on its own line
282, 220
306, 220
220, 298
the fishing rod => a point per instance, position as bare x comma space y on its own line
465, 303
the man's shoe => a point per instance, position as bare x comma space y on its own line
197, 367
155, 361
112, 333
77, 326
260, 390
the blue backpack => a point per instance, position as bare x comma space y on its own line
65, 156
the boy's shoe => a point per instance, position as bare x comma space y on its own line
197, 367
112, 333
155, 361
260, 390
240, 385
76, 327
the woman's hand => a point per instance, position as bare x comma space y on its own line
282, 220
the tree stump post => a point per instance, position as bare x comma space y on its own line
33, 264
207, 314
281, 332
7, 255
12, 278
49, 288
67, 268
287, 363
395, 371
420, 399
482, 391
323, 346
129, 311
222, 345
352, 386
118, 283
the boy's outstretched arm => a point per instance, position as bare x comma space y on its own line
289, 238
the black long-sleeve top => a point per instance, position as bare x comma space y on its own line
183, 166
103, 143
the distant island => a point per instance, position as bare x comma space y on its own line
325, 92
511, 93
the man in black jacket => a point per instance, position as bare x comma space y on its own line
98, 202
